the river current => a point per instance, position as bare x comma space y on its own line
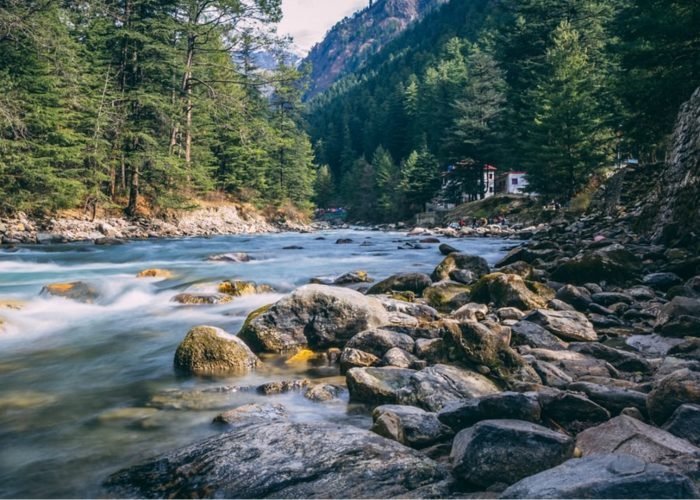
87, 389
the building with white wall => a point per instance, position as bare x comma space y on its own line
513, 182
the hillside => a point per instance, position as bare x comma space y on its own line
351, 42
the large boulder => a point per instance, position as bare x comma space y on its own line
207, 350
622, 360
577, 296
318, 316
567, 325
533, 335
679, 318
378, 341
403, 282
613, 264
613, 399
505, 405
604, 476
630, 436
409, 425
505, 451
282, 460
447, 296
510, 290
685, 423
673, 390
460, 261
570, 410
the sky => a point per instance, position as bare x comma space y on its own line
308, 20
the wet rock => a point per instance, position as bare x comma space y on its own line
324, 392
355, 358
108, 241
343, 241
680, 387
196, 299
353, 277
604, 476
315, 315
622, 360
283, 387
253, 413
207, 350
572, 411
447, 295
662, 281
510, 290
77, 290
446, 249
679, 318
463, 261
533, 335
155, 273
293, 247
578, 297
230, 257
237, 288
409, 425
567, 325
471, 312
506, 405
613, 399
685, 423
379, 341
629, 436
403, 282
132, 416
505, 451
253, 461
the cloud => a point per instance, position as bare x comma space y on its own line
308, 20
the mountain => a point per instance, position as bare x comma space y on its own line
351, 42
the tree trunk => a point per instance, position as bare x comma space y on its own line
133, 192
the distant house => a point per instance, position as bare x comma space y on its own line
489, 181
513, 182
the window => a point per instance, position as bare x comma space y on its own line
514, 181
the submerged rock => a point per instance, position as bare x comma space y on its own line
237, 288
604, 476
253, 413
155, 273
77, 290
207, 350
282, 460
230, 257
196, 299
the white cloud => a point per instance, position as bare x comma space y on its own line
308, 20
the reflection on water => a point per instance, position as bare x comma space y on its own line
86, 389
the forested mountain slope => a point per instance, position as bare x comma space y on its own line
560, 88
351, 42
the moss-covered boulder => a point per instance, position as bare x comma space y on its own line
402, 282
207, 350
237, 288
315, 316
510, 290
613, 264
460, 261
77, 290
446, 296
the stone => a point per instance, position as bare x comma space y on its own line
402, 359
317, 316
609, 298
77, 290
662, 281
463, 276
431, 350
622, 360
343, 241
403, 282
230, 257
604, 476
505, 451
578, 297
567, 325
238, 288
572, 411
409, 425
613, 264
471, 311
630, 436
352, 277
447, 296
422, 312
505, 405
254, 413
533, 335
446, 249
283, 387
679, 318
613, 399
324, 392
354, 358
195, 299
574, 364
685, 423
207, 350
510, 313
105, 241
689, 348
281, 460
377, 385
675, 389
156, 273
463, 261
510, 290
652, 345
378, 341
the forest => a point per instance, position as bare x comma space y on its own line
558, 88
135, 104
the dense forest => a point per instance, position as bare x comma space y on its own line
559, 88
131, 104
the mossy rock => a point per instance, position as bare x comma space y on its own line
403, 296
77, 290
258, 312
510, 290
156, 273
207, 350
237, 288
197, 299
446, 296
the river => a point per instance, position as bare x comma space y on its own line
87, 389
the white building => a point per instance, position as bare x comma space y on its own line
489, 181
512, 182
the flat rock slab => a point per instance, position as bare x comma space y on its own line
604, 476
282, 460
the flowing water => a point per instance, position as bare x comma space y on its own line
87, 389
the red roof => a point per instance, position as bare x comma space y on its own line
517, 172
490, 167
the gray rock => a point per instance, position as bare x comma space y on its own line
315, 315
402, 359
570, 410
420, 311
431, 350
282, 460
622, 360
207, 350
685, 423
324, 392
505, 405
378, 341
463, 261
567, 325
578, 297
510, 313
505, 451
403, 282
610, 298
283, 387
533, 335
463, 276
574, 364
252, 413
662, 281
471, 311
409, 425
613, 399
653, 345
230, 257
198, 299
604, 476
446, 249
77, 290
354, 358
679, 318
680, 387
